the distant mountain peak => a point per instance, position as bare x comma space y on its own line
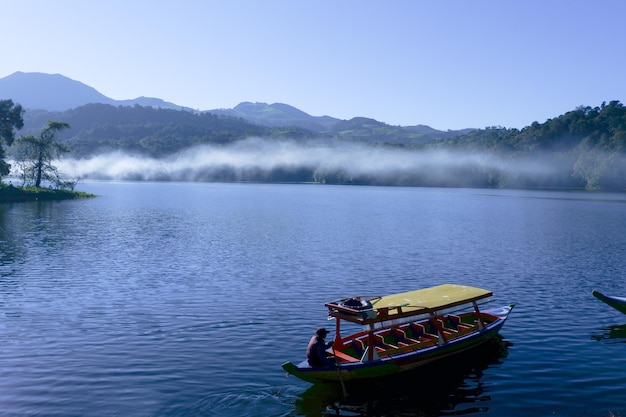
53, 92
279, 110
56, 92
277, 114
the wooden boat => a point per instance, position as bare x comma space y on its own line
618, 303
400, 332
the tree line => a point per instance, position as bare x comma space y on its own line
586, 146
581, 149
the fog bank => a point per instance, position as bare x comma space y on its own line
284, 161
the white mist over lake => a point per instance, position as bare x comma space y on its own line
263, 156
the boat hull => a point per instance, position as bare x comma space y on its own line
401, 362
618, 303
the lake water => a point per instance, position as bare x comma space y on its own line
161, 299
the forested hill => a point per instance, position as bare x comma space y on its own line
155, 132
361, 129
582, 149
585, 147
599, 127
160, 132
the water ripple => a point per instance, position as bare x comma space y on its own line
178, 299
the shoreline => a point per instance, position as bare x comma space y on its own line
12, 194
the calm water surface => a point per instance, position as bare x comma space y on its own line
159, 299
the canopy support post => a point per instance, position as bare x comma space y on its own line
480, 318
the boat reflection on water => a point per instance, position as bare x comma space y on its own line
611, 334
447, 387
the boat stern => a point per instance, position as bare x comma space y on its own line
306, 373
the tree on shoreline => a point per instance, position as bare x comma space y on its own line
11, 118
38, 152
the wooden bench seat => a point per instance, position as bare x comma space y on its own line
343, 356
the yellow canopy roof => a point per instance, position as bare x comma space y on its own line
433, 298
390, 308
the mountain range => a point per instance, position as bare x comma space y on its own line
57, 93
582, 148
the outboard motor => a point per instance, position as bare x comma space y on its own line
357, 304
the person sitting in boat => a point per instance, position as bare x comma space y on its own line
316, 354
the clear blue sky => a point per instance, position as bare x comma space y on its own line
446, 64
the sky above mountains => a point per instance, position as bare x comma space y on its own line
445, 64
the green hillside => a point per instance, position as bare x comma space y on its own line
156, 132
581, 149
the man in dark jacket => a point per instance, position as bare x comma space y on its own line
316, 354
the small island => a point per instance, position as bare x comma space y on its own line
11, 194
34, 159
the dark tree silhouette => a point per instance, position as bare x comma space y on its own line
10, 119
40, 151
